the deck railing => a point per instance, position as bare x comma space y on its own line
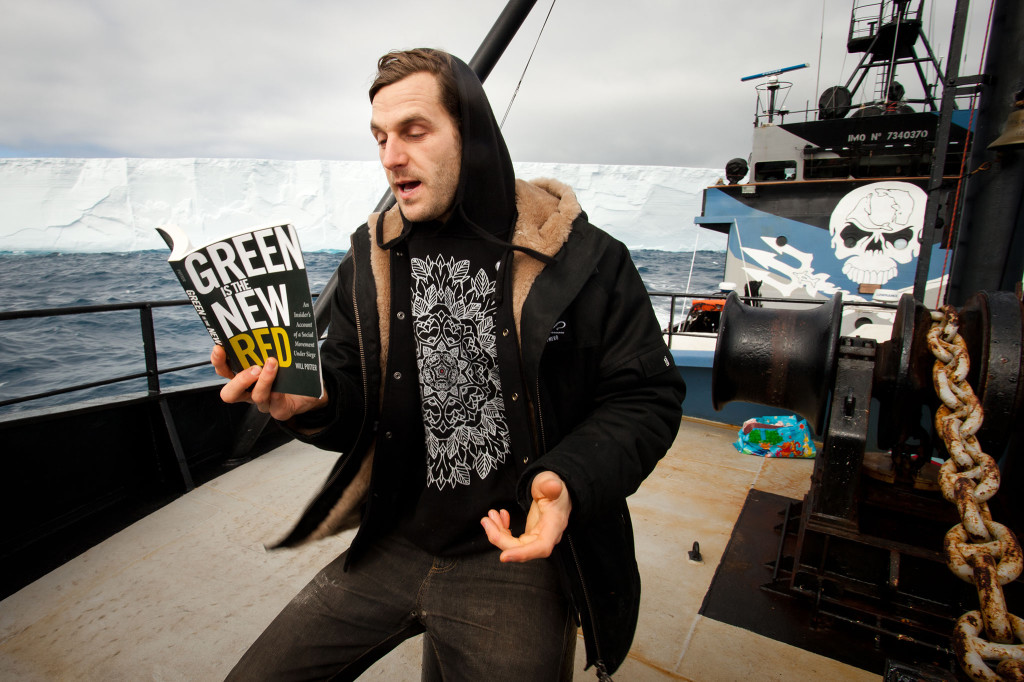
678, 308
152, 372
677, 312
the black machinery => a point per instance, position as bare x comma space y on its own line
865, 546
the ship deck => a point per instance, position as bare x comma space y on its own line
180, 594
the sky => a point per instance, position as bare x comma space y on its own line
648, 82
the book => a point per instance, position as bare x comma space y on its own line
251, 292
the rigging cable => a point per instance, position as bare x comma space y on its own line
743, 255
891, 69
842, 67
693, 258
940, 295
521, 77
821, 39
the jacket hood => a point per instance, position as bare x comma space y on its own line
484, 199
486, 195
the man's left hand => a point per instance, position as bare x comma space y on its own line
546, 521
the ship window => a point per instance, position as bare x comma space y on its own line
771, 171
820, 169
891, 166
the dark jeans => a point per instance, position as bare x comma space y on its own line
482, 619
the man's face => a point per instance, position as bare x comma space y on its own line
419, 146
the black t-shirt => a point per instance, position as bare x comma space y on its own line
469, 467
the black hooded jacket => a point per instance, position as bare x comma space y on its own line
590, 388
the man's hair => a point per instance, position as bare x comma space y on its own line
396, 65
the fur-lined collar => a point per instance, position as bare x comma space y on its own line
546, 209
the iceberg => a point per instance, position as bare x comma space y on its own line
97, 205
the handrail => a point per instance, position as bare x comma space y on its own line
96, 384
153, 371
28, 313
765, 299
671, 330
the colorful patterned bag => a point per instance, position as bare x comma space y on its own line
776, 437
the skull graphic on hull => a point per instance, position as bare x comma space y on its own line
876, 228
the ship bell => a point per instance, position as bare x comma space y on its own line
1013, 131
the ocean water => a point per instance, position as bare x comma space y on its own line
49, 353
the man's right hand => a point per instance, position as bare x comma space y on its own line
253, 386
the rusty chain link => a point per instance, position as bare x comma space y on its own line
978, 550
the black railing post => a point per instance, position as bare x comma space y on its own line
149, 347
179, 451
153, 383
671, 319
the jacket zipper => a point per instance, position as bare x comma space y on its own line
602, 671
362, 351
362, 367
540, 419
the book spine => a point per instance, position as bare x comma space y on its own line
200, 308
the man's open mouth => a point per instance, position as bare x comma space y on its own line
406, 187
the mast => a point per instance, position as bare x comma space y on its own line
989, 246
886, 33
932, 229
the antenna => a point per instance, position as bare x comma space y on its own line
774, 72
772, 87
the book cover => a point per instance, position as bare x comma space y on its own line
251, 292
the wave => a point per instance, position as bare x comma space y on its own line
105, 345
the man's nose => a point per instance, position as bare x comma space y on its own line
394, 155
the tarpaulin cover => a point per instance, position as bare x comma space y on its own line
783, 436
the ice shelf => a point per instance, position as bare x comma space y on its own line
114, 204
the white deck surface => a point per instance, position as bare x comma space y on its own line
182, 593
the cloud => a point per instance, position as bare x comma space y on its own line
641, 82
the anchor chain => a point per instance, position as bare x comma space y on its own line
978, 550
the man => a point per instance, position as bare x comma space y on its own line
492, 360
